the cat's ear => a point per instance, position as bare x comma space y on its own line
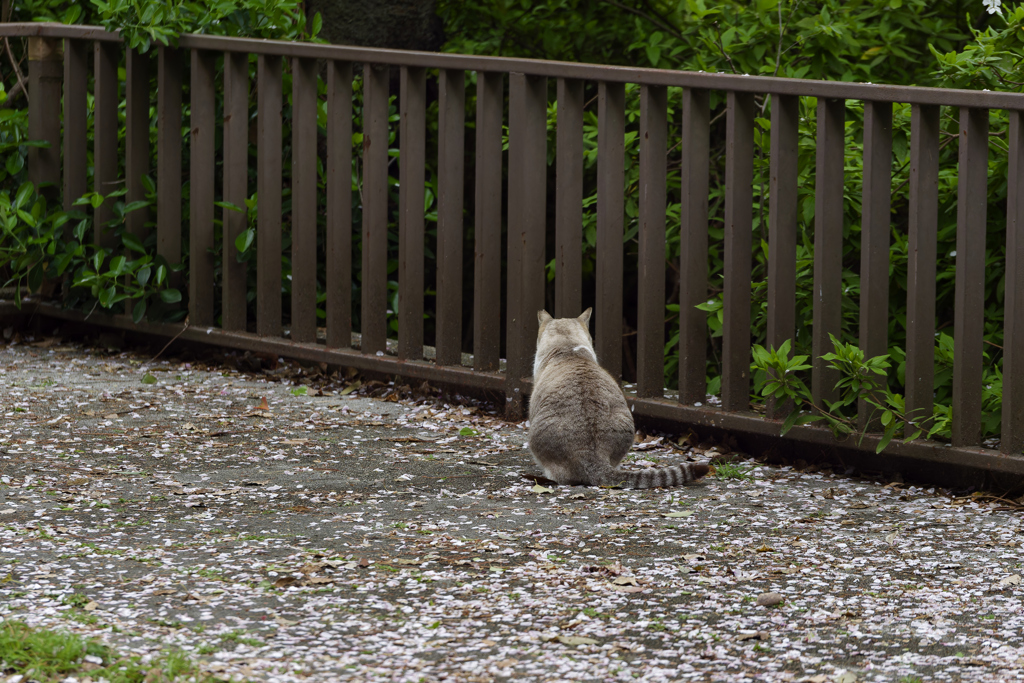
585, 317
543, 317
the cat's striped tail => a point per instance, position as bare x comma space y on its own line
675, 475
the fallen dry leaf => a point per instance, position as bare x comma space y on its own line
769, 599
752, 635
576, 640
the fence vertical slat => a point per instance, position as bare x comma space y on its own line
922, 226
373, 313
693, 245
569, 199
412, 137
105, 144
611, 127
201, 185
45, 72
1012, 433
451, 149
235, 188
650, 326
969, 295
527, 171
136, 138
487, 224
739, 197
304, 205
339, 204
782, 224
828, 245
874, 236
168, 157
76, 82
268, 201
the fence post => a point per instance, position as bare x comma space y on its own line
45, 75
76, 83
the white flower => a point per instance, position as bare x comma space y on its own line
992, 5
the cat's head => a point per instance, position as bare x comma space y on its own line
557, 332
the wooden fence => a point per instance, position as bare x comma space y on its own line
59, 63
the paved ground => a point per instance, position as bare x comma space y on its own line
162, 505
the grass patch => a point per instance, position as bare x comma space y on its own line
41, 654
733, 470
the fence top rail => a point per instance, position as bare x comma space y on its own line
983, 99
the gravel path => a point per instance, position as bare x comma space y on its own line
159, 505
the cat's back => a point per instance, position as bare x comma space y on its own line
578, 392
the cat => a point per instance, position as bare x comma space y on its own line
580, 425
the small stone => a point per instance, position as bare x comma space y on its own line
769, 599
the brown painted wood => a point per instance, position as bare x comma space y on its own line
451, 154
569, 200
136, 143
373, 313
105, 154
136, 139
693, 246
45, 73
527, 171
76, 83
168, 157
304, 202
201, 184
268, 201
1012, 432
611, 126
339, 204
782, 224
969, 296
235, 189
874, 240
922, 226
650, 343
828, 246
412, 171
739, 197
487, 223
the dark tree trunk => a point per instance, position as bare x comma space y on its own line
401, 24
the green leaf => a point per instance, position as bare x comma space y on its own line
136, 205
537, 488
15, 162
117, 265
300, 391
139, 311
790, 421
24, 192
132, 242
170, 296
468, 431
148, 379
142, 277
244, 240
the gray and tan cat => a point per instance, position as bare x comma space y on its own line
580, 425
